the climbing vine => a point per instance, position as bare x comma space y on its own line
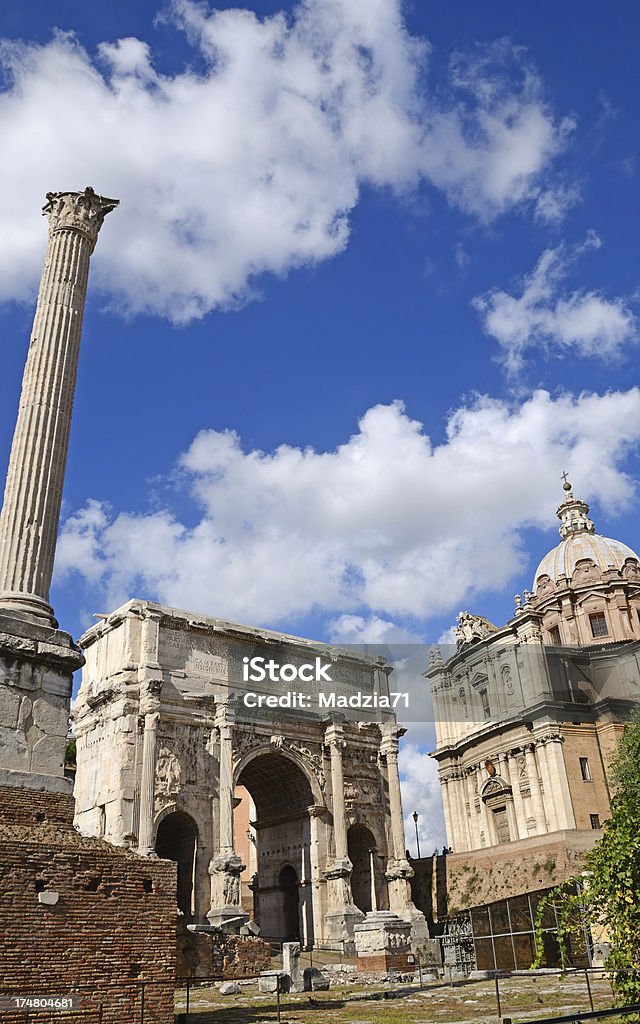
607, 893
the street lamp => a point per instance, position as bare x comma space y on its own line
415, 822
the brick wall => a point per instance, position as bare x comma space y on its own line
112, 927
385, 962
213, 954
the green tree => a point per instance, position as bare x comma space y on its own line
607, 893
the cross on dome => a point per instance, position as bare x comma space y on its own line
573, 513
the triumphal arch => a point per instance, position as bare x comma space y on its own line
274, 809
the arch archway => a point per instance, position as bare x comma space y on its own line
289, 887
177, 839
282, 795
360, 843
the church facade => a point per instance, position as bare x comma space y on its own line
528, 717
172, 761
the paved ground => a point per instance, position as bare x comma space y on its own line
522, 998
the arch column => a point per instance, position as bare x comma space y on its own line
226, 866
399, 871
342, 915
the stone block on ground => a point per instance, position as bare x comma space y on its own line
270, 981
314, 980
229, 988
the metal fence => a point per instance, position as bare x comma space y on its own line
509, 994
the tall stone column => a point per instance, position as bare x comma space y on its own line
226, 866
150, 683
399, 871
33, 491
151, 711
343, 915
37, 660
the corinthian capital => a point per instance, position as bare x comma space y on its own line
78, 211
334, 737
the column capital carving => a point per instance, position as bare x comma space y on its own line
150, 696
334, 737
390, 741
225, 718
83, 212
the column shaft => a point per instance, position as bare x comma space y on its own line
147, 789
395, 804
536, 794
336, 744
560, 783
548, 795
35, 478
226, 789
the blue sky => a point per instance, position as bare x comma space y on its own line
371, 288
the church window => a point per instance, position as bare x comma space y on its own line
598, 624
554, 635
595, 820
585, 771
486, 708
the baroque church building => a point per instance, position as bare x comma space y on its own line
528, 717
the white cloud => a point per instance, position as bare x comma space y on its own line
253, 163
384, 528
358, 629
421, 793
544, 315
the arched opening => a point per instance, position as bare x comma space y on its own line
281, 794
363, 855
177, 839
288, 883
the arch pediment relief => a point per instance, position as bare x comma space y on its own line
479, 679
496, 787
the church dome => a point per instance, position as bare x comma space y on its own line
580, 541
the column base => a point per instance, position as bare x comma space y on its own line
227, 919
29, 607
398, 874
226, 912
383, 942
340, 926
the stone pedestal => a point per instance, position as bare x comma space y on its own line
343, 914
36, 668
398, 875
383, 942
226, 912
